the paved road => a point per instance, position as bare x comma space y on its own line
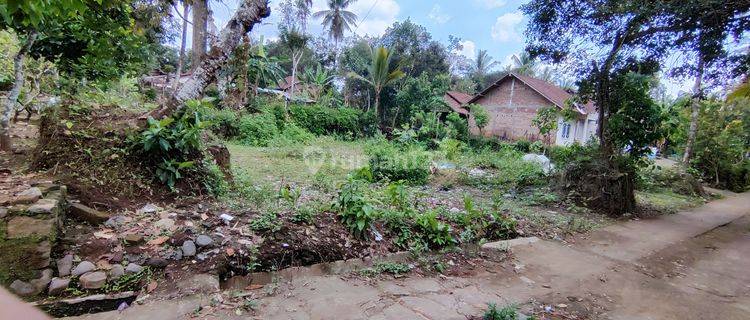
690, 265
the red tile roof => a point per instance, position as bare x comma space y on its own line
286, 83
456, 100
549, 91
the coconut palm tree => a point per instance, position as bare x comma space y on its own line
380, 75
263, 69
483, 63
337, 19
303, 12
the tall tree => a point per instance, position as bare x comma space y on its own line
604, 36
296, 42
28, 19
183, 43
248, 14
200, 31
337, 18
304, 8
379, 76
481, 67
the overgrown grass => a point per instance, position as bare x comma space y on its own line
660, 200
299, 164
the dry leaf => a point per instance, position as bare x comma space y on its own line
230, 252
254, 287
104, 265
151, 286
204, 216
158, 241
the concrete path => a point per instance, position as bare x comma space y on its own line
690, 265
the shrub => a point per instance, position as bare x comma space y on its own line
434, 232
675, 179
292, 134
452, 148
459, 126
506, 313
354, 207
322, 120
268, 222
512, 171
257, 129
409, 164
224, 122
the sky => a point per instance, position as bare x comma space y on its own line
493, 25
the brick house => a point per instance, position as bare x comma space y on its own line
513, 101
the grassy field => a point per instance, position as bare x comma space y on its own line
298, 164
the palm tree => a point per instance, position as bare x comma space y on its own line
524, 64
483, 63
303, 11
380, 75
337, 19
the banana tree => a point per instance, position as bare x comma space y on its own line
320, 79
380, 75
262, 69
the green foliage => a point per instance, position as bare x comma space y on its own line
722, 143
421, 94
306, 213
436, 233
174, 142
355, 208
511, 170
506, 313
459, 126
546, 121
320, 120
257, 129
393, 268
410, 164
266, 222
636, 121
292, 135
480, 115
452, 148
122, 93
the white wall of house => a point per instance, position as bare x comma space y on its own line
578, 130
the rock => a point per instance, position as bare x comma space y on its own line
164, 224
43, 282
30, 195
116, 272
188, 248
173, 254
23, 289
90, 215
64, 265
115, 221
22, 227
93, 280
133, 238
44, 206
83, 267
539, 159
58, 286
3, 212
148, 209
157, 262
203, 241
42, 258
133, 268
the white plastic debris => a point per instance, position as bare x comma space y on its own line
539, 159
226, 218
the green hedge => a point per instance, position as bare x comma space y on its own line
322, 120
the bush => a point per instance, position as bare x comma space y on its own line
354, 207
292, 134
409, 164
224, 122
675, 179
512, 171
436, 233
257, 129
322, 120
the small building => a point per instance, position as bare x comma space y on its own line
513, 101
456, 101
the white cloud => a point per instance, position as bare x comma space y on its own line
492, 4
469, 49
437, 15
382, 16
507, 28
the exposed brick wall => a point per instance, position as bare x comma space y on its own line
511, 114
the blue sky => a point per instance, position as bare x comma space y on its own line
494, 25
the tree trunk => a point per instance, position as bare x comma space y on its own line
200, 30
249, 13
10, 103
695, 109
377, 109
183, 43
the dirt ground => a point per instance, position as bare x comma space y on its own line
690, 265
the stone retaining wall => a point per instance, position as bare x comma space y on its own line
29, 225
